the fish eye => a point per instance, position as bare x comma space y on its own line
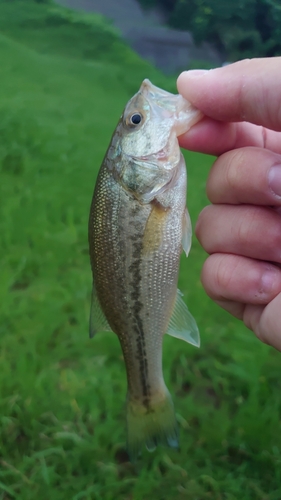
136, 118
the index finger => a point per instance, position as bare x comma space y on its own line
214, 137
248, 90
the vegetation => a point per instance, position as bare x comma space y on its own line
62, 418
243, 28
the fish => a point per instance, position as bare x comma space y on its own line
138, 227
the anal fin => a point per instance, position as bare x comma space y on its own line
182, 325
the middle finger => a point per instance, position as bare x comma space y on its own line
246, 175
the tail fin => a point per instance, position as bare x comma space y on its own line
151, 425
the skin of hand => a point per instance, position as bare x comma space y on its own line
241, 229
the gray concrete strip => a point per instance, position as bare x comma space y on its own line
168, 49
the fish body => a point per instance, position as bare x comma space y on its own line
138, 227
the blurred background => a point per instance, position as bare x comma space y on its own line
66, 73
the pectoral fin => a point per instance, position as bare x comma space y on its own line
182, 325
98, 321
186, 232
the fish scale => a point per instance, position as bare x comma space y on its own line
138, 226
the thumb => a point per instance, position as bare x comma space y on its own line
248, 90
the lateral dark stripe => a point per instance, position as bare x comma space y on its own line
137, 306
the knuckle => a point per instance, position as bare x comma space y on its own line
224, 273
246, 226
233, 168
217, 275
226, 175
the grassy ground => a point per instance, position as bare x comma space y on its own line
62, 430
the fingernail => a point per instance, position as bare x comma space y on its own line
274, 179
195, 73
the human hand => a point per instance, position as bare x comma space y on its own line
241, 230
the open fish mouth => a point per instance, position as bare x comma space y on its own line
158, 155
166, 155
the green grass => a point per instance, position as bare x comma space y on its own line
62, 410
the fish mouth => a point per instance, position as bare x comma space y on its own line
166, 155
172, 106
158, 155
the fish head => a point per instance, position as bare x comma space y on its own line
147, 139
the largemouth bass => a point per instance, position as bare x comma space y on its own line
138, 227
